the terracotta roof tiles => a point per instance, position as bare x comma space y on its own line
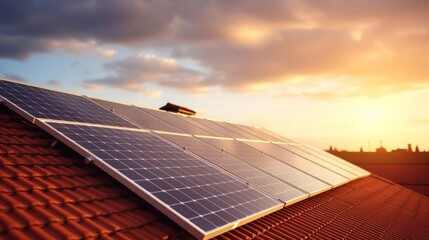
368, 208
50, 193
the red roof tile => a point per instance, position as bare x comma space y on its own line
368, 208
50, 193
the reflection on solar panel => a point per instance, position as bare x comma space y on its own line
298, 162
297, 149
219, 130
275, 135
298, 179
235, 132
177, 121
350, 167
204, 198
257, 132
139, 117
43, 103
254, 176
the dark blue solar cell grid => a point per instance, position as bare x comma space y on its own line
240, 168
43, 103
198, 191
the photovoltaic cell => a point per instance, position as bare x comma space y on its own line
328, 164
219, 130
43, 103
257, 132
189, 187
298, 162
351, 167
276, 135
337, 162
239, 133
210, 131
139, 117
178, 122
286, 173
251, 174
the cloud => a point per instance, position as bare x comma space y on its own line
31, 26
18, 47
135, 73
12, 76
245, 45
91, 86
106, 53
54, 82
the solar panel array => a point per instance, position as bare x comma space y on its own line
318, 171
240, 168
205, 195
141, 118
294, 177
44, 103
329, 164
179, 122
209, 176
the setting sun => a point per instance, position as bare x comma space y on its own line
372, 116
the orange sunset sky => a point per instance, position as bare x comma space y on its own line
341, 73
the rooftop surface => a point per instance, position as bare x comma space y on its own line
409, 169
49, 192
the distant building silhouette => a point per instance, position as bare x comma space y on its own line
381, 149
402, 165
399, 150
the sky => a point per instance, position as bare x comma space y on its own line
343, 73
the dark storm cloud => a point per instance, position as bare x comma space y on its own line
135, 73
30, 26
379, 46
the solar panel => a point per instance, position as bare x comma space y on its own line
257, 132
139, 117
298, 162
323, 154
207, 185
178, 122
337, 162
44, 103
201, 197
286, 173
249, 173
237, 132
276, 135
297, 149
220, 131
